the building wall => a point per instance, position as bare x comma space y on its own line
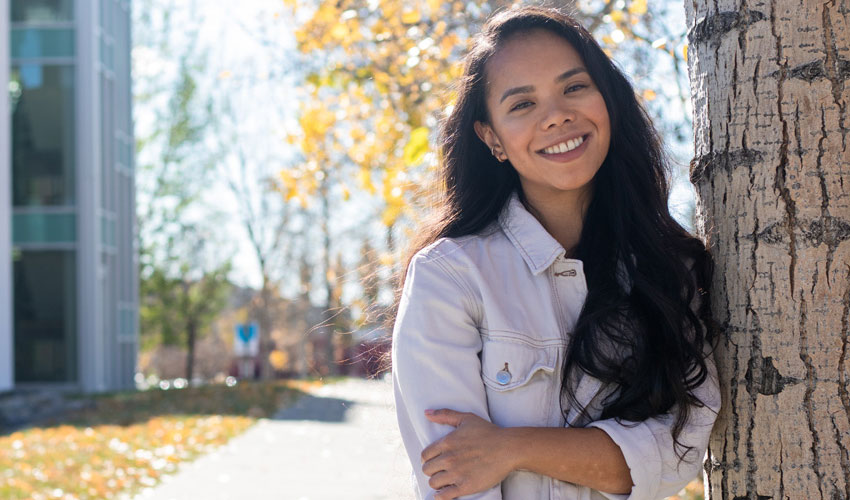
116, 210
74, 278
7, 374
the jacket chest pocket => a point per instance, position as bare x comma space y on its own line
519, 380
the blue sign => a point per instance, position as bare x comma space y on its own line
246, 341
246, 332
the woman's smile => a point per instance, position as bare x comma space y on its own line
567, 150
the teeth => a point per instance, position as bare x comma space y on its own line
564, 146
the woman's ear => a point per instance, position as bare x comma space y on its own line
485, 133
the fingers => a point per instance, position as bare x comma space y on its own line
440, 480
437, 464
431, 451
445, 416
448, 493
430, 467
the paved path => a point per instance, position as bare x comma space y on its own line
339, 443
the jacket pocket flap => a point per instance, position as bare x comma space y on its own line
507, 364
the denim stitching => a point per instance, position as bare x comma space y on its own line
468, 293
523, 339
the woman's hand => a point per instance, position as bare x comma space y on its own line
472, 458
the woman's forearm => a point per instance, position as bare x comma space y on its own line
588, 457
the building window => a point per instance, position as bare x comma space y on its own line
41, 227
42, 42
40, 11
42, 134
45, 316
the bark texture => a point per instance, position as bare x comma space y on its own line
769, 84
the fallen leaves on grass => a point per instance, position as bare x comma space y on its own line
128, 441
98, 462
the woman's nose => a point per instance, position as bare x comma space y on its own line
556, 114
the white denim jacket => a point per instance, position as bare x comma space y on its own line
482, 327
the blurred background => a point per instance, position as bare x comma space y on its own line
211, 199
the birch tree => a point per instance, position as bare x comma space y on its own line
768, 86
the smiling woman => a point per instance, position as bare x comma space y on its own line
552, 337
552, 124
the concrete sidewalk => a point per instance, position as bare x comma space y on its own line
341, 442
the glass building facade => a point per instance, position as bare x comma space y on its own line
69, 204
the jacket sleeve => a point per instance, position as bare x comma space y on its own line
435, 361
648, 446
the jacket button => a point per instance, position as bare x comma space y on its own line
504, 376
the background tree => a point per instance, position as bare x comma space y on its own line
183, 271
250, 173
770, 101
178, 305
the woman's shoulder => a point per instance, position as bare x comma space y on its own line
446, 251
456, 250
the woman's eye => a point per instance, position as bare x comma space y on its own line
575, 87
520, 105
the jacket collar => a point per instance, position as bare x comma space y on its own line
537, 247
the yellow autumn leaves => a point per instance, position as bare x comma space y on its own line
416, 147
368, 114
99, 462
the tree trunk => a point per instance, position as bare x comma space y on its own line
770, 167
328, 313
304, 337
265, 324
191, 331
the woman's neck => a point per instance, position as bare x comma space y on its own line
562, 215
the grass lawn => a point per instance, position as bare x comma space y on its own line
129, 440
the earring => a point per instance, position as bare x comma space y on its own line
498, 155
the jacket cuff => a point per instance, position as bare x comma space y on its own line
494, 493
637, 442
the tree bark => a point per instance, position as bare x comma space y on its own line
768, 85
192, 332
267, 345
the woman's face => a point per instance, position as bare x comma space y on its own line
546, 114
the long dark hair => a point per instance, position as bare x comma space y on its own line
645, 341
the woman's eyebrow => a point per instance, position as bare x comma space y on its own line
516, 90
530, 88
566, 74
